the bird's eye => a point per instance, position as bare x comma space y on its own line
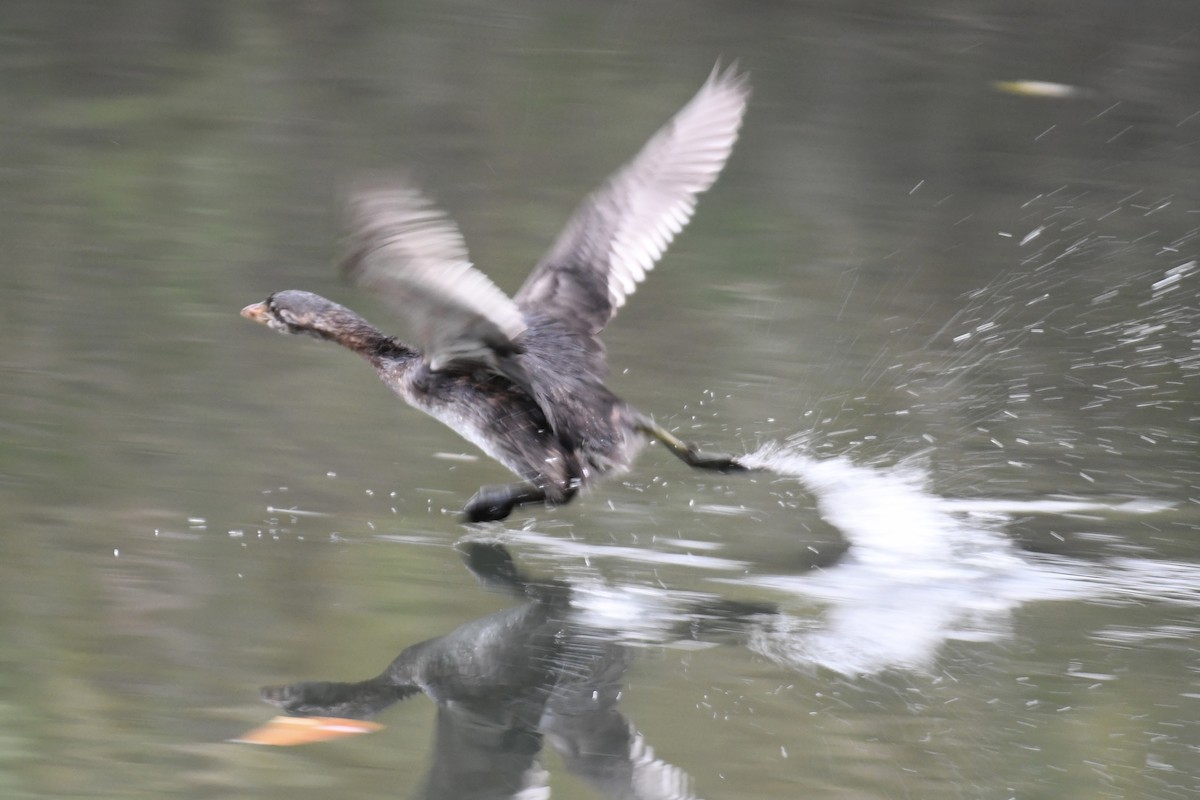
286, 318
277, 312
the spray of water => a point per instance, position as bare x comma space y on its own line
922, 569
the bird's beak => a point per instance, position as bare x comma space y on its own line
257, 312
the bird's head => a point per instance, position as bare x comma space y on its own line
293, 311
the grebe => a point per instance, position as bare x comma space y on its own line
523, 378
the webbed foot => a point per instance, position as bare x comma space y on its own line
690, 454
721, 462
494, 503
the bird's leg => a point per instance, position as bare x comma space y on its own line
688, 453
492, 503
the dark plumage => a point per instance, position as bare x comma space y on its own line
523, 378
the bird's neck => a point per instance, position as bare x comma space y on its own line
355, 333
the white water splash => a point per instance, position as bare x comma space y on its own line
922, 570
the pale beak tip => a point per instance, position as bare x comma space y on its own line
256, 312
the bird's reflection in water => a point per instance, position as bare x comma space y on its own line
511, 681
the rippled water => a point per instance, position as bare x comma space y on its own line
951, 315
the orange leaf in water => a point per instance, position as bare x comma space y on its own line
288, 731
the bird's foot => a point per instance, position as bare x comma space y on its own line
689, 453
720, 462
489, 504
494, 503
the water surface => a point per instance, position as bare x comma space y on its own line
956, 316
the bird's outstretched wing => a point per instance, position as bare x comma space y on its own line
622, 228
406, 249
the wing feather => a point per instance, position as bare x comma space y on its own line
412, 254
620, 231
